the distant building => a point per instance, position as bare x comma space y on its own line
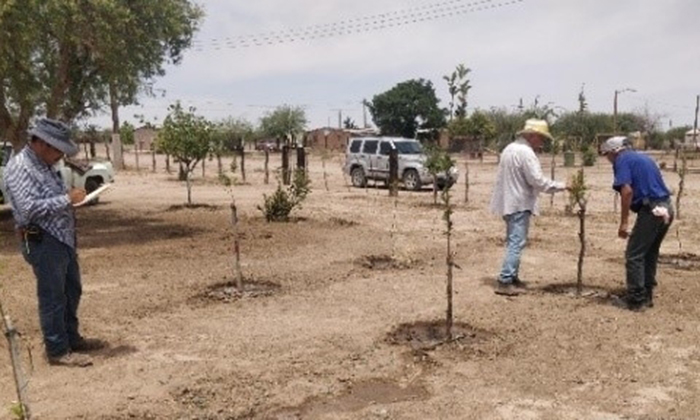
145, 137
334, 138
692, 139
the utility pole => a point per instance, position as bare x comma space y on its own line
364, 114
617, 92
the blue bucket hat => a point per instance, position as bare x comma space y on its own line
55, 133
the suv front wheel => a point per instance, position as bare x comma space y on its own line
358, 177
411, 180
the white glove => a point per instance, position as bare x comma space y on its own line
660, 211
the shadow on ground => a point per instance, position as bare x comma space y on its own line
102, 227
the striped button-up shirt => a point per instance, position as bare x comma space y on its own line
520, 180
39, 196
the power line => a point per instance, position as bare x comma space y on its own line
355, 26
347, 22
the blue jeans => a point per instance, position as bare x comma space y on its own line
57, 273
517, 226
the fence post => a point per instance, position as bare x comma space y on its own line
285, 165
393, 172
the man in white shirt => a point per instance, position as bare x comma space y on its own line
514, 198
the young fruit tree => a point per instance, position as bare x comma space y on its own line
21, 409
187, 137
449, 259
578, 197
438, 161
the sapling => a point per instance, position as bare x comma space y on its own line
466, 182
21, 410
236, 246
447, 216
555, 150
438, 161
578, 196
681, 183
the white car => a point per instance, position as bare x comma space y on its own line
75, 175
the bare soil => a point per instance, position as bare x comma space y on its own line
341, 316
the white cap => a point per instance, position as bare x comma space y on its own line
613, 145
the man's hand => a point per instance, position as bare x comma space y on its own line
623, 231
76, 195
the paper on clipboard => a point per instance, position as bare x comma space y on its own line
93, 195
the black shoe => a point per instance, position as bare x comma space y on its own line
631, 304
507, 289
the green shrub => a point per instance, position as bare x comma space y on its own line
278, 206
589, 156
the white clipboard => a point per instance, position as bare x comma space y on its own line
94, 194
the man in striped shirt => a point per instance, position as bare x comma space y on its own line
42, 207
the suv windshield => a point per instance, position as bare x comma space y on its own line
408, 147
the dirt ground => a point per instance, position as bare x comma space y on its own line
327, 330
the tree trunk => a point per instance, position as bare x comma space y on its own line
109, 158
167, 163
242, 151
449, 260
181, 174
59, 89
236, 249
153, 159
285, 165
582, 251
466, 182
93, 152
219, 165
203, 168
136, 154
116, 139
267, 166
435, 189
189, 187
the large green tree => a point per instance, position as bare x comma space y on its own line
187, 137
406, 108
68, 58
285, 122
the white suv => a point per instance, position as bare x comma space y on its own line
368, 158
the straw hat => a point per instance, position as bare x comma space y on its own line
534, 126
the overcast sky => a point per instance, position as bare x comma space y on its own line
515, 49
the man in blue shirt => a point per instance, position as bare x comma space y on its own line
643, 191
43, 211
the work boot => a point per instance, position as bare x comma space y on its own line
87, 345
71, 360
507, 289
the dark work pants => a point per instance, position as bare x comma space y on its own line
642, 252
55, 266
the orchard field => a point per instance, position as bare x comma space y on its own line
328, 327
